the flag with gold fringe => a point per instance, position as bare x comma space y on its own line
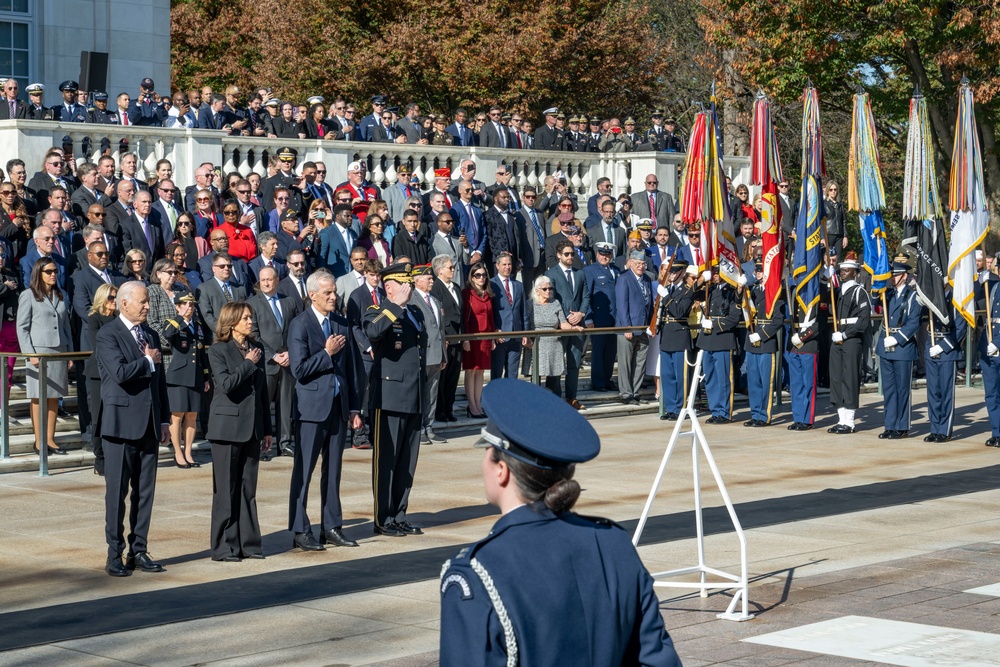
967, 201
866, 193
808, 257
765, 168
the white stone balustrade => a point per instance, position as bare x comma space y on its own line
186, 149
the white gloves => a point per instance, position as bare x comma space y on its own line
754, 338
706, 324
984, 277
890, 342
663, 291
796, 341
838, 337
936, 351
992, 350
742, 280
706, 276
649, 332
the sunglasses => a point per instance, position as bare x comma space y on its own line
694, 236
527, 196
169, 273
99, 254
137, 261
652, 182
243, 192
478, 275
169, 191
295, 263
184, 223
7, 192
230, 213
318, 172
202, 199
544, 289
376, 224
50, 272
223, 266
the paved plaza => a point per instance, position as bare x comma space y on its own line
857, 546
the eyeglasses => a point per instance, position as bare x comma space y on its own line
782, 185
344, 201
376, 224
230, 212
169, 191
415, 205
56, 164
565, 206
566, 254
184, 223
243, 192
387, 117
7, 192
450, 267
527, 196
203, 199
50, 272
694, 236
137, 261
223, 266
479, 275
320, 171
376, 104
169, 273
281, 199
295, 263
652, 182
545, 289
99, 254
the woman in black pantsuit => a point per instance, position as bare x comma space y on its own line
239, 430
101, 312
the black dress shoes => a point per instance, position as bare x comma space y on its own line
116, 568
670, 416
755, 423
254, 556
800, 426
936, 437
840, 429
992, 442
336, 537
408, 529
231, 558
885, 434
898, 435
143, 562
307, 542
717, 420
390, 528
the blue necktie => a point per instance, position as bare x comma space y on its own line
277, 312
538, 230
326, 327
326, 334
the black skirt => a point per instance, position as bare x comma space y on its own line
183, 399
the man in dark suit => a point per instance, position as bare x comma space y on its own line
294, 284
634, 308
502, 231
461, 135
510, 313
217, 117
11, 108
570, 288
87, 194
469, 223
449, 294
121, 210
399, 344
87, 278
273, 314
143, 230
133, 422
326, 368
503, 177
51, 176
165, 208
408, 243
385, 132
219, 290
552, 242
267, 257
220, 244
535, 233
495, 134
607, 228
144, 110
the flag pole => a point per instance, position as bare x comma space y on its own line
986, 289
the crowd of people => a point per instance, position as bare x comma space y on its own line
240, 306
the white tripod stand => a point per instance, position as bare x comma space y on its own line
726, 580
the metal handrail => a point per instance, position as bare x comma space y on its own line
43, 405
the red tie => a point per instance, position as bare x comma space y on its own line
374, 296
517, 135
652, 209
506, 288
125, 118
697, 256
406, 189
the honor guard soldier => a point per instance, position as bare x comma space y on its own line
70, 111
716, 340
671, 142
761, 351
548, 137
601, 277
546, 586
592, 136
676, 300
37, 110
634, 139
853, 318
897, 350
396, 402
989, 362
803, 366
942, 352
656, 136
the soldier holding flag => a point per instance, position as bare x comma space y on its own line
897, 350
853, 318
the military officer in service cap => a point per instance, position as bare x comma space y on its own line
37, 110
803, 345
398, 338
546, 586
897, 350
942, 352
70, 111
672, 142
853, 317
762, 351
548, 137
187, 376
989, 361
100, 113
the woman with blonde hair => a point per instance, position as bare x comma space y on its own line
102, 311
134, 267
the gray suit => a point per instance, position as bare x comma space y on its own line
405, 126
346, 284
274, 338
436, 350
665, 209
459, 255
395, 199
211, 299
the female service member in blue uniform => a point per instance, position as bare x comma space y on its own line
546, 586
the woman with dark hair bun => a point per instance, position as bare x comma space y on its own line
546, 586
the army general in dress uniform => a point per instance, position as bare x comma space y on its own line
546, 586
396, 398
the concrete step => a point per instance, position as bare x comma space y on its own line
77, 457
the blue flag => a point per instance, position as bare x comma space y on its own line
876, 253
808, 257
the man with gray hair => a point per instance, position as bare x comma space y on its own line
267, 242
87, 194
326, 369
133, 422
634, 308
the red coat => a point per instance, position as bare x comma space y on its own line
477, 317
242, 242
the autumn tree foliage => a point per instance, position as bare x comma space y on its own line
588, 55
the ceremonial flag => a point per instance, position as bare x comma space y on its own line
923, 229
967, 201
865, 192
808, 258
765, 167
808, 246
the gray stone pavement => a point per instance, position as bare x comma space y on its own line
836, 526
